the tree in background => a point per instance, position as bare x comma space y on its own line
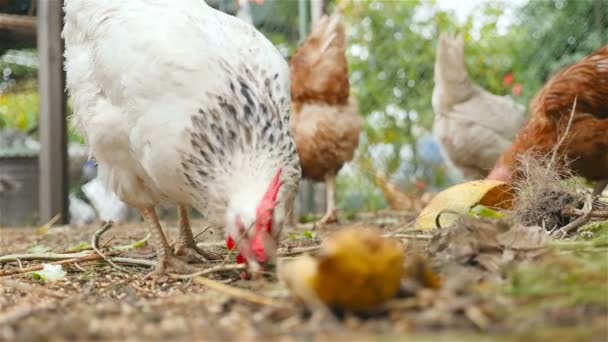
392, 52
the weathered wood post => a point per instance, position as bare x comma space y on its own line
53, 129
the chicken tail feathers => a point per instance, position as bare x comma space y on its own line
319, 67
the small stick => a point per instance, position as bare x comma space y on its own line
237, 292
52, 221
95, 240
132, 246
41, 256
579, 222
211, 244
579, 212
409, 236
172, 243
301, 250
79, 267
563, 137
215, 269
89, 257
133, 261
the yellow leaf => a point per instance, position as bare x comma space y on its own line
460, 198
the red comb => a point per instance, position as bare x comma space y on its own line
270, 197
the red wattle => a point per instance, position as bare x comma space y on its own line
229, 243
257, 245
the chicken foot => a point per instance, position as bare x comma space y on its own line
185, 244
166, 260
331, 215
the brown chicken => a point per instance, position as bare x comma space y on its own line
580, 89
325, 119
398, 200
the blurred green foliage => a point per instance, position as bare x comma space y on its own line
19, 110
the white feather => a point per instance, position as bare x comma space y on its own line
137, 71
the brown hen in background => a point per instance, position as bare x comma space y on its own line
325, 119
580, 89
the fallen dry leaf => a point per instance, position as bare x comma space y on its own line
355, 270
487, 244
460, 198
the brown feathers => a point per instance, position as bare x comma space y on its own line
584, 87
318, 69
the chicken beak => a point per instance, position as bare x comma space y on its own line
254, 271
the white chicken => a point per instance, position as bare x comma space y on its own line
182, 104
473, 126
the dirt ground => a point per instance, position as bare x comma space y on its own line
98, 302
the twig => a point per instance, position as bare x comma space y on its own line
238, 292
296, 251
202, 232
409, 236
42, 256
133, 261
562, 139
133, 245
88, 257
95, 240
79, 267
581, 221
172, 243
211, 244
579, 212
52, 221
215, 269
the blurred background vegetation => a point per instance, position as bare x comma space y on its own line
512, 47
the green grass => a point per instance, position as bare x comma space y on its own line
574, 272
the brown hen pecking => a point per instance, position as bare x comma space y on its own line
325, 119
580, 89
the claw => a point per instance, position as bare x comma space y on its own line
194, 254
170, 264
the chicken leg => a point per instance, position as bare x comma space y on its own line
166, 260
185, 245
330, 212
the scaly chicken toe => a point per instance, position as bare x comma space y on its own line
167, 262
185, 245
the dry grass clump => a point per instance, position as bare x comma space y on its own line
544, 191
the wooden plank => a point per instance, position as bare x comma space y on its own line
16, 32
20, 24
53, 128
